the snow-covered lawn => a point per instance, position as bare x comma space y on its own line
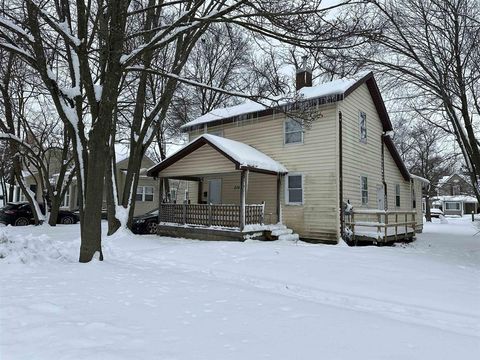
163, 298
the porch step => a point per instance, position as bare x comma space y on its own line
289, 237
283, 231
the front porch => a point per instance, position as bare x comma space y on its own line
232, 192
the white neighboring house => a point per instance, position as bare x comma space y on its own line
456, 204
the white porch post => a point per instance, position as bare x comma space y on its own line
160, 191
279, 186
243, 195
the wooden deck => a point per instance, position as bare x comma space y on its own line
380, 226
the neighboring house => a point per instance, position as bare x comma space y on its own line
453, 185
258, 165
147, 190
456, 204
455, 196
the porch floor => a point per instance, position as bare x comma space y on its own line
217, 233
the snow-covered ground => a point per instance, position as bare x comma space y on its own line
163, 298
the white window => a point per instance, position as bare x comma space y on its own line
294, 189
364, 189
397, 195
21, 195
452, 206
293, 130
362, 123
66, 199
144, 193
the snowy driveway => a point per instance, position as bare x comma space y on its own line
161, 298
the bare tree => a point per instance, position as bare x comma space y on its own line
427, 153
35, 138
430, 51
82, 51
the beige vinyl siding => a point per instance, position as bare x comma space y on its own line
361, 158
315, 158
365, 159
393, 177
141, 207
204, 160
417, 185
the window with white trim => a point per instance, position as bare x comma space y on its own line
453, 206
66, 199
364, 189
362, 124
397, 195
293, 131
144, 193
294, 189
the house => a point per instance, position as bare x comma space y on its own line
454, 184
455, 196
146, 196
456, 204
250, 164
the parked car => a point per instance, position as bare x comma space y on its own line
146, 223
21, 214
435, 213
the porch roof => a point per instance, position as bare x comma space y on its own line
244, 156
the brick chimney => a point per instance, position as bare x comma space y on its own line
304, 75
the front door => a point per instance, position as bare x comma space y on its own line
215, 191
380, 198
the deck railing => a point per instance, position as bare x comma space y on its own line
380, 225
222, 215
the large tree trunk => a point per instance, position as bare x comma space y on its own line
91, 229
111, 195
428, 215
54, 210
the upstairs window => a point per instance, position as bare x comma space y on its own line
66, 199
144, 193
294, 193
364, 189
362, 123
397, 195
293, 132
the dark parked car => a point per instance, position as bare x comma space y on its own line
146, 223
20, 214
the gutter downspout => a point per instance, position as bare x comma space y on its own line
340, 173
385, 193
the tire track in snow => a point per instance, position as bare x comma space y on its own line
456, 322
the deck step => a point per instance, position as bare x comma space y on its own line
289, 237
278, 232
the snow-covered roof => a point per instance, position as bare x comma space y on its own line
335, 87
462, 198
245, 156
447, 178
419, 178
122, 152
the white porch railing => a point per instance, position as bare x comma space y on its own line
222, 215
380, 225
